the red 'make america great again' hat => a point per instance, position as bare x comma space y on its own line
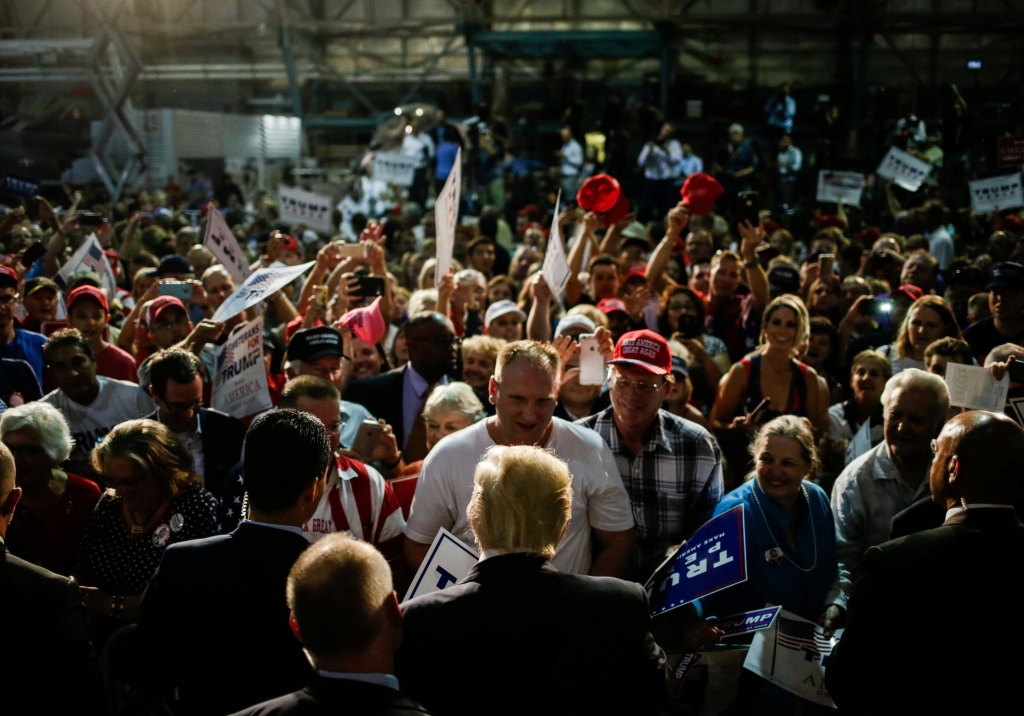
644, 349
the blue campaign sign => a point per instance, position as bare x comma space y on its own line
710, 561
747, 622
448, 560
20, 185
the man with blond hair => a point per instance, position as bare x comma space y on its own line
345, 612
524, 392
518, 621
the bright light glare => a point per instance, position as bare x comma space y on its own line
398, 111
419, 111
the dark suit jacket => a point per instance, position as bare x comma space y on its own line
47, 663
382, 396
519, 637
214, 621
223, 436
339, 696
933, 622
925, 514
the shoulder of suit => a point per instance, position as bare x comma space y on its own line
31, 575
372, 381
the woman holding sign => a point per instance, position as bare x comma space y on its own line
790, 545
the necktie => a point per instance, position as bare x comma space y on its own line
416, 446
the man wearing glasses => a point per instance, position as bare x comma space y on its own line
213, 439
16, 342
399, 395
671, 467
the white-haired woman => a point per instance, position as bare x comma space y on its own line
449, 409
55, 505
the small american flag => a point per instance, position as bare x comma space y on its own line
802, 636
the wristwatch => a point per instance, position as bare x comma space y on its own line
752, 263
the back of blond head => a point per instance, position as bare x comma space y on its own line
337, 591
521, 500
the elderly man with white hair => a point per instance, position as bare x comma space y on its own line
888, 478
55, 505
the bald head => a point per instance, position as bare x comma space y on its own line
966, 465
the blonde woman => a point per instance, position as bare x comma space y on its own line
154, 498
929, 319
773, 374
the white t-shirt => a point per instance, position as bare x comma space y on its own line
598, 498
117, 401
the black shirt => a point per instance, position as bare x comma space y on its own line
983, 337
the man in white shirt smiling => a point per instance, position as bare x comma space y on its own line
524, 391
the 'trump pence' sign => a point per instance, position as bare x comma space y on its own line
840, 186
448, 560
296, 206
996, 194
712, 560
394, 168
907, 171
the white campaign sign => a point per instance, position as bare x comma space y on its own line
997, 194
840, 186
909, 172
448, 560
446, 216
257, 287
224, 246
556, 267
297, 206
793, 654
240, 384
974, 388
394, 168
89, 257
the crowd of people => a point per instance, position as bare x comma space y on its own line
158, 553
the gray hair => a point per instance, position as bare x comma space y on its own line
1003, 352
467, 276
914, 379
48, 424
455, 398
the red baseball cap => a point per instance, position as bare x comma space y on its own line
617, 212
635, 272
599, 193
113, 260
644, 349
610, 305
89, 292
160, 305
8, 276
529, 210
699, 193
829, 220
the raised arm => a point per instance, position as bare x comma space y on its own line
756, 277
677, 219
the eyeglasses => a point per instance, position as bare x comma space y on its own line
194, 406
637, 386
934, 446
8, 300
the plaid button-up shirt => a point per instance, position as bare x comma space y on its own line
673, 484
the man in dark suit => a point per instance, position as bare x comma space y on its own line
932, 622
516, 636
214, 619
214, 439
346, 613
398, 396
47, 663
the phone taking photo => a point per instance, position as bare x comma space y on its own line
748, 208
367, 438
182, 290
826, 265
591, 361
370, 286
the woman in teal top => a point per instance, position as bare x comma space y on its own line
790, 544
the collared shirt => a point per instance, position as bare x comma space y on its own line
978, 506
690, 165
790, 161
572, 158
271, 525
193, 442
413, 387
388, 680
673, 484
865, 498
940, 245
661, 162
